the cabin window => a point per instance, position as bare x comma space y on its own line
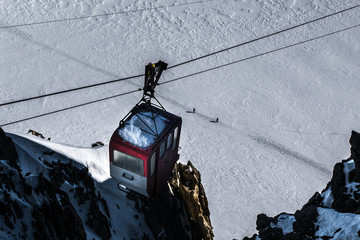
128, 162
176, 132
162, 149
169, 141
152, 164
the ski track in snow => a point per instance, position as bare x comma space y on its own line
261, 140
284, 118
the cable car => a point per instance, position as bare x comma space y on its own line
144, 148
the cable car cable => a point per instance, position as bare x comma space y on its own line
102, 15
72, 107
258, 55
176, 65
70, 90
265, 36
193, 74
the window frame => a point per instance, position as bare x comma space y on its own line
163, 143
168, 146
152, 164
125, 164
176, 137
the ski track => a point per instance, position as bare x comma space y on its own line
269, 143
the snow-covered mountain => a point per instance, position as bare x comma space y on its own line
45, 194
333, 214
284, 118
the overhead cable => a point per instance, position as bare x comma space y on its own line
103, 15
179, 64
265, 36
69, 90
258, 55
65, 109
193, 74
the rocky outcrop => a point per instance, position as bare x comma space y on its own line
7, 148
186, 183
35, 206
53, 197
181, 209
341, 196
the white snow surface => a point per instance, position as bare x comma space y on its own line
285, 118
346, 225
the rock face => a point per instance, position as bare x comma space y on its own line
39, 207
48, 198
181, 210
341, 196
7, 149
186, 183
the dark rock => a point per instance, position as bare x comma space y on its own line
56, 218
7, 149
8, 222
315, 200
105, 206
252, 238
344, 202
181, 211
351, 206
355, 144
337, 182
49, 153
98, 222
339, 202
305, 219
263, 222
17, 209
3, 138
36, 134
355, 153
97, 144
296, 236
271, 234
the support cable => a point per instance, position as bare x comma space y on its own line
103, 15
70, 90
258, 55
265, 36
193, 74
72, 107
179, 64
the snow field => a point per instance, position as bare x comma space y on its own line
303, 100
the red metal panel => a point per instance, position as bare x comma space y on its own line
126, 149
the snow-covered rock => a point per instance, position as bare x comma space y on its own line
333, 214
45, 194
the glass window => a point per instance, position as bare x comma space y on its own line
162, 149
176, 131
152, 164
128, 162
169, 141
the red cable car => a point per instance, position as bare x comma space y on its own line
144, 148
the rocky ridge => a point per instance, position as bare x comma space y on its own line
332, 214
61, 201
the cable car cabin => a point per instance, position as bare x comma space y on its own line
144, 149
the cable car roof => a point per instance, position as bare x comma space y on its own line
144, 125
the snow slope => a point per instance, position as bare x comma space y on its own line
36, 154
284, 117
